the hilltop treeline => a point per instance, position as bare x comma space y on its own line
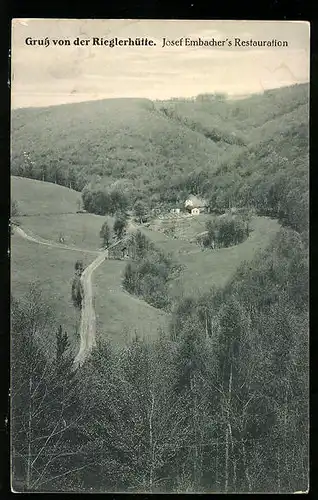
248, 152
219, 403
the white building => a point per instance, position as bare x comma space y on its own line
195, 205
195, 211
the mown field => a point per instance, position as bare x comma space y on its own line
118, 313
52, 270
80, 230
37, 197
215, 267
206, 268
49, 211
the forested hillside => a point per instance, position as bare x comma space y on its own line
162, 151
217, 401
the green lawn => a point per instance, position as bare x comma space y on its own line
206, 268
51, 211
34, 197
53, 270
81, 230
119, 315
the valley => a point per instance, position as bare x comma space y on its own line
159, 294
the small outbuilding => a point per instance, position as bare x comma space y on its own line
195, 211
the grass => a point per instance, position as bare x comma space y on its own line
53, 270
204, 269
118, 313
216, 267
51, 211
37, 197
81, 230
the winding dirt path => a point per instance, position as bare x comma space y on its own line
88, 317
41, 241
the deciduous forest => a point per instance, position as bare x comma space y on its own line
218, 401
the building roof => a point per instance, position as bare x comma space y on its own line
195, 202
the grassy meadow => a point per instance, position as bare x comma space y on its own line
53, 270
118, 313
36, 197
248, 153
209, 268
80, 230
206, 268
220, 403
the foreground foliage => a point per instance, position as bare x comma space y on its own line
218, 404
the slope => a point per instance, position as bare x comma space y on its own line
203, 269
35, 197
52, 267
159, 151
120, 138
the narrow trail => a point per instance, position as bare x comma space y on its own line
40, 241
88, 317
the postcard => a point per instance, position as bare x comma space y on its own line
159, 256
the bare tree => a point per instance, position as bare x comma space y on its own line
44, 410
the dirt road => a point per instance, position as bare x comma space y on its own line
88, 318
41, 241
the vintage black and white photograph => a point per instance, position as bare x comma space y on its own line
159, 256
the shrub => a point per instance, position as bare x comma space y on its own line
226, 231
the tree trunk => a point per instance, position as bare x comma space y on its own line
151, 445
285, 433
29, 437
217, 462
226, 467
278, 470
206, 324
227, 434
246, 471
195, 447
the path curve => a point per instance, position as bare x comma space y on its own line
41, 241
88, 317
